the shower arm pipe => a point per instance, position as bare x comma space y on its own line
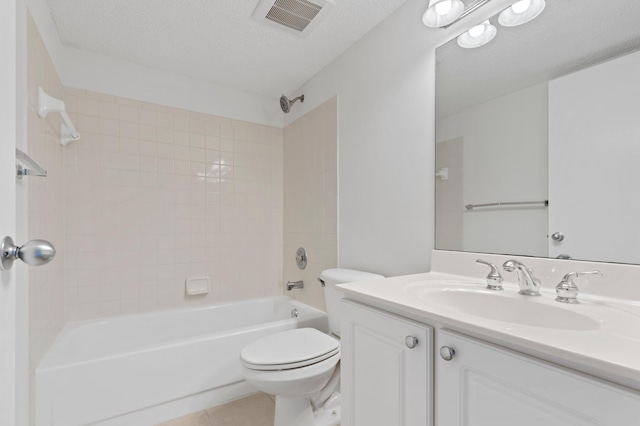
47, 104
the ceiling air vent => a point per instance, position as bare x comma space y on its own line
295, 16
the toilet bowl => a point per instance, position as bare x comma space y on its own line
292, 365
296, 365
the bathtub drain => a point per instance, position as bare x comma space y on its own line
294, 313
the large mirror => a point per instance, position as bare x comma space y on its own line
538, 136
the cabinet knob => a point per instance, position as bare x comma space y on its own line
411, 341
447, 353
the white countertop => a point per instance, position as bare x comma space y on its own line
611, 351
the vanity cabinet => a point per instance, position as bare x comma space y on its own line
486, 385
387, 365
389, 381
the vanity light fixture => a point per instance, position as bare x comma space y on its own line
442, 13
477, 36
521, 12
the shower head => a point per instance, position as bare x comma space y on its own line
285, 103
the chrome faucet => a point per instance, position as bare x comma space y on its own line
294, 284
494, 279
529, 285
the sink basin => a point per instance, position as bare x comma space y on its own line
502, 306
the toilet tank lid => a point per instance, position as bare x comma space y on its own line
339, 275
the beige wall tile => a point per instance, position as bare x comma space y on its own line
310, 198
140, 225
46, 199
449, 196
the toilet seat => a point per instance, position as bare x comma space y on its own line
289, 350
293, 365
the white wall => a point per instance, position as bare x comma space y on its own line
385, 88
594, 146
385, 157
505, 159
86, 70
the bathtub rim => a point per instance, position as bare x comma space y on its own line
43, 366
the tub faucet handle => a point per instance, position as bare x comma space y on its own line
494, 279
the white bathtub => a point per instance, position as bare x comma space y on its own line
146, 368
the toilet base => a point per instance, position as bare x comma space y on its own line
293, 411
298, 412
327, 417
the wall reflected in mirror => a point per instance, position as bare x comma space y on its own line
549, 110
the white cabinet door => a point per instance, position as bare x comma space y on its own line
484, 385
384, 381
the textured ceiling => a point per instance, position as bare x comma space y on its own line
215, 40
567, 36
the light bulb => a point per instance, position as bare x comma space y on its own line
443, 7
477, 30
441, 13
521, 6
521, 12
477, 36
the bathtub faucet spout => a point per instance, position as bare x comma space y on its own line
294, 284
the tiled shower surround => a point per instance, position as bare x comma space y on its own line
151, 195
154, 195
45, 201
311, 199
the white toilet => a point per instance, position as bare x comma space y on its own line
295, 365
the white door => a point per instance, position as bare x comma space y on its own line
386, 379
594, 147
8, 133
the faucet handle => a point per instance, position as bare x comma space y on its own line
494, 279
567, 290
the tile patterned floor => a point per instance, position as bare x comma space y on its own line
254, 410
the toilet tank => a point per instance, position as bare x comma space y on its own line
332, 295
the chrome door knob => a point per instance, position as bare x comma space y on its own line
411, 341
447, 353
557, 236
33, 253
